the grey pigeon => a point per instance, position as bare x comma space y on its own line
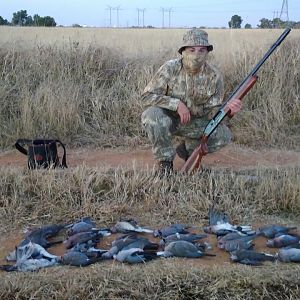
78, 259
29, 265
270, 231
40, 235
142, 243
84, 247
219, 225
250, 257
245, 242
29, 250
221, 239
283, 241
128, 241
31, 257
170, 230
134, 256
189, 237
127, 226
182, 249
35, 264
85, 224
83, 237
32, 250
95, 252
289, 255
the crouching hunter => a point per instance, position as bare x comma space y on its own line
180, 100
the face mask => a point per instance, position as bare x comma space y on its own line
193, 61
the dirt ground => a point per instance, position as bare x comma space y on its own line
231, 156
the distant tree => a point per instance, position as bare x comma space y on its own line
295, 25
29, 21
235, 22
248, 26
3, 21
37, 20
278, 23
22, 19
76, 25
19, 18
49, 21
265, 23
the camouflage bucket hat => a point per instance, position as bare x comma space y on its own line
195, 37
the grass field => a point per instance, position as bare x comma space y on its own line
83, 86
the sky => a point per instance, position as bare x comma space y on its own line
157, 13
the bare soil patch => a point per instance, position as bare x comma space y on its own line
231, 156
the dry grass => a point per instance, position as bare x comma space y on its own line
167, 279
107, 195
83, 85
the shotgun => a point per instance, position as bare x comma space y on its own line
193, 162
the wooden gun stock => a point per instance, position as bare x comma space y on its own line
193, 162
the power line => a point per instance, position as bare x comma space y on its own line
170, 10
163, 17
142, 10
110, 8
284, 11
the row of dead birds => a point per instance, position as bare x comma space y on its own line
175, 240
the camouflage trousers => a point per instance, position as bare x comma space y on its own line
163, 125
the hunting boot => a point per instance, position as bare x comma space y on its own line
165, 168
182, 151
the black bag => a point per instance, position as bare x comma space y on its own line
42, 153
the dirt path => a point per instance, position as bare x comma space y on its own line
231, 156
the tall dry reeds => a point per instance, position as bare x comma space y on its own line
90, 93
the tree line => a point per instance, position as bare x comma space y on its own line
236, 22
21, 18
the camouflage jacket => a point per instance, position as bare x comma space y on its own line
202, 93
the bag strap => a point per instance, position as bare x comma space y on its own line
64, 160
23, 142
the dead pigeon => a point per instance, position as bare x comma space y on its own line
29, 250
134, 256
83, 237
250, 257
219, 225
289, 255
283, 241
245, 242
182, 249
40, 235
128, 226
170, 230
189, 237
270, 231
78, 259
85, 224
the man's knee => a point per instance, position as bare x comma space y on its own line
155, 116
